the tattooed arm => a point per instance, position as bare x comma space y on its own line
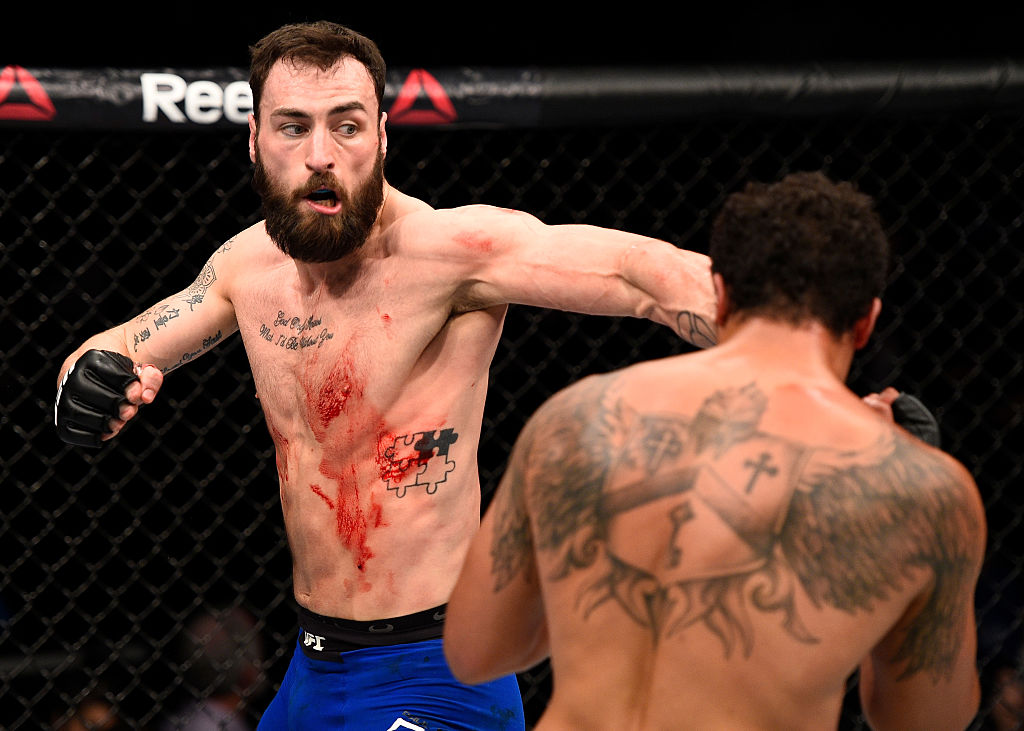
907, 683
172, 332
547, 501
894, 696
888, 515
495, 622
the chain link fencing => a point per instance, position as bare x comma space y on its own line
108, 556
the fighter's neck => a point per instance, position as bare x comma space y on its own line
809, 346
316, 276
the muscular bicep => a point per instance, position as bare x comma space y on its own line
182, 327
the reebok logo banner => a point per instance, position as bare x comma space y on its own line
22, 97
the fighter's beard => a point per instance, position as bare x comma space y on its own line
309, 236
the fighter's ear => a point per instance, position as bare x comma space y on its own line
383, 133
863, 328
252, 137
722, 303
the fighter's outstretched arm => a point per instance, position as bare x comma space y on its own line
580, 268
102, 384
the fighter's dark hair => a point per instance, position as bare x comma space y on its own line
803, 248
321, 44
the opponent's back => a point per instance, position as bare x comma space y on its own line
720, 539
720, 545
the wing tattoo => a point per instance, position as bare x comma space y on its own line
860, 522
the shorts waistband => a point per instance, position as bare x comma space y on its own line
325, 638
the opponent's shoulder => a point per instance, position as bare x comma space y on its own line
649, 385
576, 414
886, 471
856, 434
936, 470
587, 393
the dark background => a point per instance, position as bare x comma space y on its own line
198, 34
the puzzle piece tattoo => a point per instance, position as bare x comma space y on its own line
420, 459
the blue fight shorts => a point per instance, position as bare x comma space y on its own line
385, 675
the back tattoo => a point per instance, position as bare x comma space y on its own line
847, 526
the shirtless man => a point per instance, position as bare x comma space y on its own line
370, 321
718, 540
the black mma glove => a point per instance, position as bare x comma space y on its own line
90, 395
914, 416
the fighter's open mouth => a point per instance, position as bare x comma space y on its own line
324, 195
324, 201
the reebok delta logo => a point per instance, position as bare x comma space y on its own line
419, 87
23, 97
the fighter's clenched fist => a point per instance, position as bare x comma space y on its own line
99, 393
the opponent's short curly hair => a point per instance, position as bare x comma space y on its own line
321, 44
803, 248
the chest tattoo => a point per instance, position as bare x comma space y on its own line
292, 332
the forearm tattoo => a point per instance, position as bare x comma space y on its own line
696, 329
151, 321
187, 356
603, 482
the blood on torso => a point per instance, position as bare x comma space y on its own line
373, 393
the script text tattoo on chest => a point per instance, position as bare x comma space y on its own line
295, 333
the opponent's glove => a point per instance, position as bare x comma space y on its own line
90, 395
914, 416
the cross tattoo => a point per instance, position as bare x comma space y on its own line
660, 444
761, 465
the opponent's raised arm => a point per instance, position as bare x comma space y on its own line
104, 381
582, 268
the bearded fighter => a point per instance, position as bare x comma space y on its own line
370, 320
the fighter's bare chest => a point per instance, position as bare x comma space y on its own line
373, 328
285, 334
371, 309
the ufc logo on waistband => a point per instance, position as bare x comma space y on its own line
314, 641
